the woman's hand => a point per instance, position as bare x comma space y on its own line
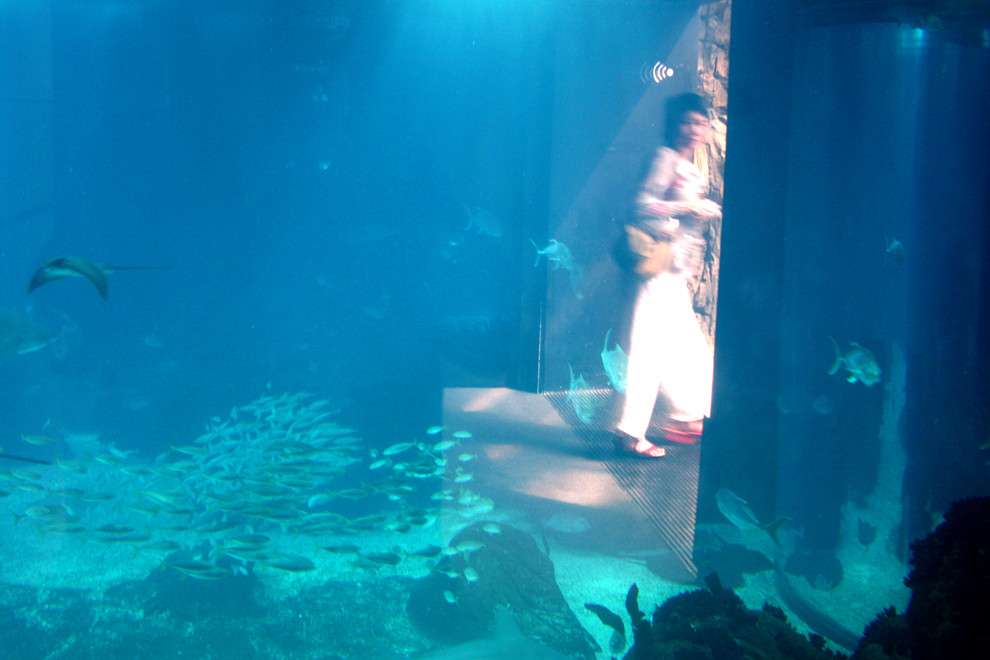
705, 209
699, 209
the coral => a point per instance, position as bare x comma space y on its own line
506, 570
950, 582
886, 638
714, 623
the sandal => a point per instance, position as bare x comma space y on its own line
627, 445
685, 433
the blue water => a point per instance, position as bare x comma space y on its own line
302, 175
323, 198
343, 199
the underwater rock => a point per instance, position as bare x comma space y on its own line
28, 617
714, 624
886, 638
186, 599
950, 583
457, 602
332, 621
71, 623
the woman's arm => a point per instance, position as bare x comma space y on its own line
652, 200
700, 209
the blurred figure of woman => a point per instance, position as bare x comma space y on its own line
668, 351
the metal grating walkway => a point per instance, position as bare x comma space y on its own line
664, 490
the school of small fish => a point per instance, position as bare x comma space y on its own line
278, 468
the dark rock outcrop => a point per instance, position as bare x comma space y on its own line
507, 570
950, 583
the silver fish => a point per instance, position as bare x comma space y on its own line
859, 362
581, 398
484, 222
616, 362
557, 254
398, 448
894, 248
734, 508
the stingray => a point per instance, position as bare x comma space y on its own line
56, 269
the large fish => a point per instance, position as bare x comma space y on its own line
60, 267
859, 362
482, 221
734, 508
560, 256
616, 363
507, 642
618, 642
557, 254
19, 335
581, 397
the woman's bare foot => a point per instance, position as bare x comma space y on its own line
627, 445
646, 449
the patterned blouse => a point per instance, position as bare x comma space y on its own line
673, 179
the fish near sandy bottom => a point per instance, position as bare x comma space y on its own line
19, 335
736, 511
506, 643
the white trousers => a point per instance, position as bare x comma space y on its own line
668, 352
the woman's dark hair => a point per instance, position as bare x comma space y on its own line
677, 107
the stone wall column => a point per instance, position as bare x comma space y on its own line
713, 73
